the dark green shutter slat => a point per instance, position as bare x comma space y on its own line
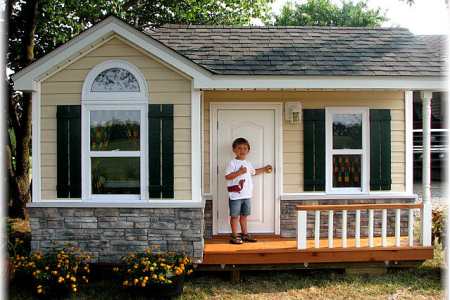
154, 150
314, 149
68, 155
380, 149
167, 151
161, 149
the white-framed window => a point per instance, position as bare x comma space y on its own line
114, 133
347, 150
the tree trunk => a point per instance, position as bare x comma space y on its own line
20, 183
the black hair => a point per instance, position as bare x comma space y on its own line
241, 141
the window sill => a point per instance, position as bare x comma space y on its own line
369, 196
73, 203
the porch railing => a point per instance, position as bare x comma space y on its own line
302, 223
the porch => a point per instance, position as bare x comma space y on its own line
382, 249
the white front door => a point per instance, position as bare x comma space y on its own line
258, 127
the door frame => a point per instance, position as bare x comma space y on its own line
214, 107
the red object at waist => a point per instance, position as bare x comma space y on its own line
236, 188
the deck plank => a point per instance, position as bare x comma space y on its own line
274, 249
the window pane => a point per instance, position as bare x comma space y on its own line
115, 175
115, 130
346, 171
115, 80
347, 131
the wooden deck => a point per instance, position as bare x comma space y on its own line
277, 250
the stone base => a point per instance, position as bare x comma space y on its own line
107, 234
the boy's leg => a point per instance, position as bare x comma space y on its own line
234, 220
243, 222
245, 212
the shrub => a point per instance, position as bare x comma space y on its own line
53, 274
438, 226
18, 242
147, 269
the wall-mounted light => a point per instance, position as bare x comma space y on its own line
293, 112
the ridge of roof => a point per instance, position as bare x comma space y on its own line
196, 26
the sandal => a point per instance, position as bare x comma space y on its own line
248, 238
236, 240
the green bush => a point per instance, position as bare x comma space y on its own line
54, 274
147, 269
438, 226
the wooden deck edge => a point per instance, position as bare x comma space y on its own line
309, 266
361, 255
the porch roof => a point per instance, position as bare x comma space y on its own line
306, 51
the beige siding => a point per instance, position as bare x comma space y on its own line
293, 134
165, 86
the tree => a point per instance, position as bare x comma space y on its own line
325, 13
38, 26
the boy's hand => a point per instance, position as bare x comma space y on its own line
242, 170
268, 169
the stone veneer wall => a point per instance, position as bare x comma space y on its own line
208, 230
288, 218
109, 233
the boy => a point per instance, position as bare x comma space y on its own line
240, 188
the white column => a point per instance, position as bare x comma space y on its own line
301, 229
36, 143
196, 155
426, 167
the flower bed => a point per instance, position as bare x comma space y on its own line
51, 275
154, 274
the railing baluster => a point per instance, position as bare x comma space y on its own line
344, 229
411, 227
397, 227
317, 229
370, 227
330, 229
384, 228
357, 228
301, 229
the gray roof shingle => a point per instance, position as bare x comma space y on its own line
306, 50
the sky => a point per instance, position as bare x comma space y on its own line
423, 17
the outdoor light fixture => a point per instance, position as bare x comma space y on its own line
293, 112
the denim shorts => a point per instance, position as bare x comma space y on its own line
239, 207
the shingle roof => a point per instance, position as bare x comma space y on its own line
306, 50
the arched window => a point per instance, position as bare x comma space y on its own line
114, 116
115, 80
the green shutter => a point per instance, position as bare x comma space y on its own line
68, 131
314, 149
380, 149
160, 150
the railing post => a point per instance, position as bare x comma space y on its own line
301, 229
426, 167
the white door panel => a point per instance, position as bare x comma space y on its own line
258, 127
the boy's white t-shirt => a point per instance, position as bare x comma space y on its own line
247, 186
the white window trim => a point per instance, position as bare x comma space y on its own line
365, 152
89, 96
113, 101
87, 154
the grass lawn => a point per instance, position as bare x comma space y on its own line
421, 283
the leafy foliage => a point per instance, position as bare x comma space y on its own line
438, 226
326, 13
53, 274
